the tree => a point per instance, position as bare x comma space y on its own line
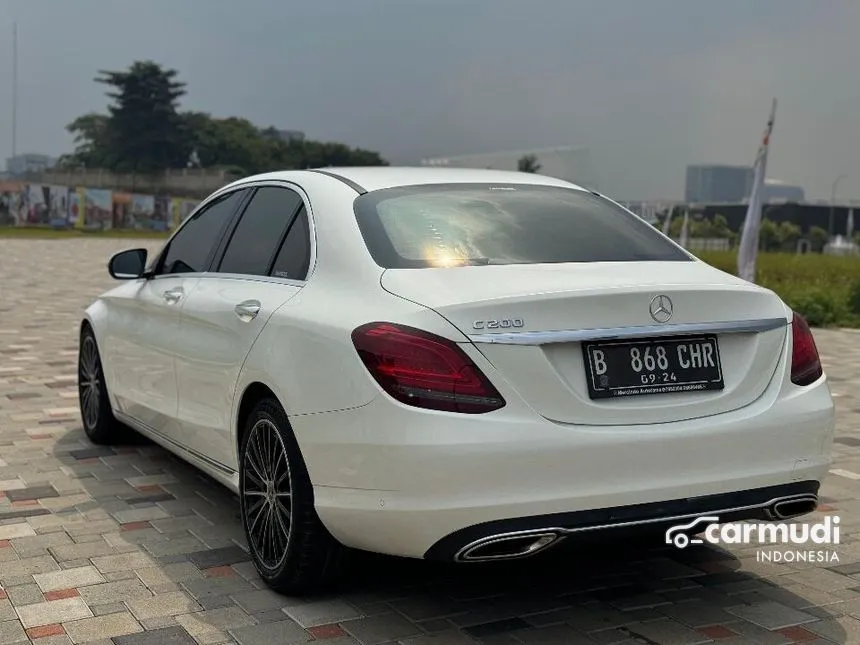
145, 132
92, 146
528, 163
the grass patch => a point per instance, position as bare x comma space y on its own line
48, 233
825, 289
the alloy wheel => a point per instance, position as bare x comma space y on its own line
267, 494
89, 382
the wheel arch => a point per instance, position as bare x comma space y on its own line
253, 393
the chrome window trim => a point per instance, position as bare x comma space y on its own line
615, 333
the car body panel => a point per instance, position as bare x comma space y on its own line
138, 342
214, 342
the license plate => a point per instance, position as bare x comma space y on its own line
652, 366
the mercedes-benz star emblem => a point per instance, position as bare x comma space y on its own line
661, 308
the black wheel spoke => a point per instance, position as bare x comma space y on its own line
266, 494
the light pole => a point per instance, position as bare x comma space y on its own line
14, 89
832, 200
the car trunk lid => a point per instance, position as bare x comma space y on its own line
533, 322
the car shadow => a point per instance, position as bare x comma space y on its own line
187, 530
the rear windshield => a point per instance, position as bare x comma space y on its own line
474, 224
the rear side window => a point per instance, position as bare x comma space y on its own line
260, 230
295, 254
469, 224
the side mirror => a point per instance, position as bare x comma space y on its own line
128, 265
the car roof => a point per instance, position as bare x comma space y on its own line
369, 178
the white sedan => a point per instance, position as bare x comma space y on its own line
452, 364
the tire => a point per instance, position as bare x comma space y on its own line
100, 425
292, 551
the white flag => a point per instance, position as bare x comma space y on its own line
668, 221
685, 230
849, 226
748, 247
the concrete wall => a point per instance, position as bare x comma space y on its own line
191, 182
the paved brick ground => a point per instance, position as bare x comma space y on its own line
132, 545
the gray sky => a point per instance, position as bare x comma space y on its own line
648, 85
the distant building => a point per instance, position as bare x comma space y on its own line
717, 183
569, 163
21, 164
779, 191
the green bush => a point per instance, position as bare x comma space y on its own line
825, 289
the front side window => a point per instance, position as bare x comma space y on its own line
475, 224
191, 248
260, 231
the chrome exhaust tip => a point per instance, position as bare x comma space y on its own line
786, 509
507, 547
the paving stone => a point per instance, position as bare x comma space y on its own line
139, 515
209, 626
12, 632
24, 594
34, 492
166, 636
86, 551
378, 629
259, 601
53, 611
109, 626
90, 453
322, 612
122, 562
25, 567
167, 604
771, 615
218, 557
285, 631
115, 591
24, 512
209, 587
107, 608
9, 531
669, 631
68, 578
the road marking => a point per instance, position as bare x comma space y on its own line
845, 473
835, 395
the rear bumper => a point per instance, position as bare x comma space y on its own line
514, 537
397, 480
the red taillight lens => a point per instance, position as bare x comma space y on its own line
805, 363
422, 369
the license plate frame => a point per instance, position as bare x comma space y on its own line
612, 382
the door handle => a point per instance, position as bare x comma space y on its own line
172, 296
248, 309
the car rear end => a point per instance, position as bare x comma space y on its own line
596, 376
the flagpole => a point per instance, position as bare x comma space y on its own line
748, 247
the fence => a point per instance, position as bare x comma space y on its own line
31, 204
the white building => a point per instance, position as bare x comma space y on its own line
570, 163
31, 162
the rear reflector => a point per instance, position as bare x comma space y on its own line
805, 362
424, 370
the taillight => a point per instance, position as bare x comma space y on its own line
805, 363
424, 370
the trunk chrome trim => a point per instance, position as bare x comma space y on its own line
617, 333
